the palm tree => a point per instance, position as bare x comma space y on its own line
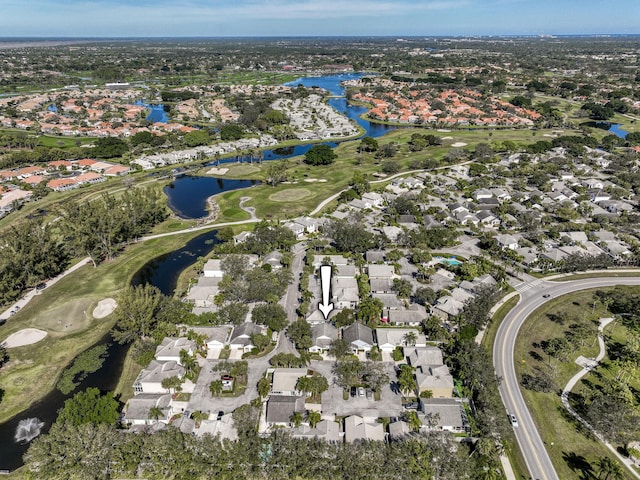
215, 388
199, 416
410, 339
296, 419
313, 418
155, 413
610, 469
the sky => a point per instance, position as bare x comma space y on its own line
216, 18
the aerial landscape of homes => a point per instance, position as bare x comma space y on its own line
445, 184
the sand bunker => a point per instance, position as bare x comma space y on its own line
458, 144
24, 337
217, 171
311, 180
443, 130
447, 138
105, 307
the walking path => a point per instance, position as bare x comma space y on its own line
587, 366
250, 210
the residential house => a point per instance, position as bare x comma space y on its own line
399, 430
411, 317
322, 335
506, 241
280, 409
285, 381
359, 337
274, 259
345, 292
241, 237
170, 348
213, 268
390, 338
443, 414
356, 428
150, 379
241, 336
373, 198
447, 307
326, 430
138, 407
436, 379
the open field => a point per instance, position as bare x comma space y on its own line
572, 451
33, 370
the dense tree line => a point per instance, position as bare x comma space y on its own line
101, 227
29, 254
64, 454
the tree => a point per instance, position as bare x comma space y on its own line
609, 469
155, 413
233, 313
348, 372
138, 312
320, 155
315, 384
344, 318
172, 383
89, 407
260, 341
215, 388
4, 356
300, 333
368, 144
425, 296
297, 419
412, 419
109, 147
374, 376
231, 132
264, 387
410, 339
197, 138
406, 380
402, 287
271, 314
313, 417
339, 348
276, 172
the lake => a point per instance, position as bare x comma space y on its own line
187, 195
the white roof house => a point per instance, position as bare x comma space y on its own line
356, 428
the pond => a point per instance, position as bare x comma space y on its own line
187, 195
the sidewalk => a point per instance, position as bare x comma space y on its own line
587, 366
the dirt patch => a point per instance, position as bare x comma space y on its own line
290, 195
24, 337
105, 307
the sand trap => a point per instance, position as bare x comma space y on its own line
217, 171
443, 130
447, 138
105, 307
458, 144
24, 337
311, 180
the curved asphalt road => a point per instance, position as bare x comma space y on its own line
531, 298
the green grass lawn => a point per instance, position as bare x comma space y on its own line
573, 451
33, 370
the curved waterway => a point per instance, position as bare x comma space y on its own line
162, 272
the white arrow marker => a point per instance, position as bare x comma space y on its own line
325, 283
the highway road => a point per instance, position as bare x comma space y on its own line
531, 297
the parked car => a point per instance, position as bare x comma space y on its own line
41, 286
513, 420
546, 295
354, 391
411, 405
361, 392
220, 415
369, 394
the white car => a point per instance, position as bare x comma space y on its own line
514, 420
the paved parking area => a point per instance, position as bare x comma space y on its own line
389, 405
